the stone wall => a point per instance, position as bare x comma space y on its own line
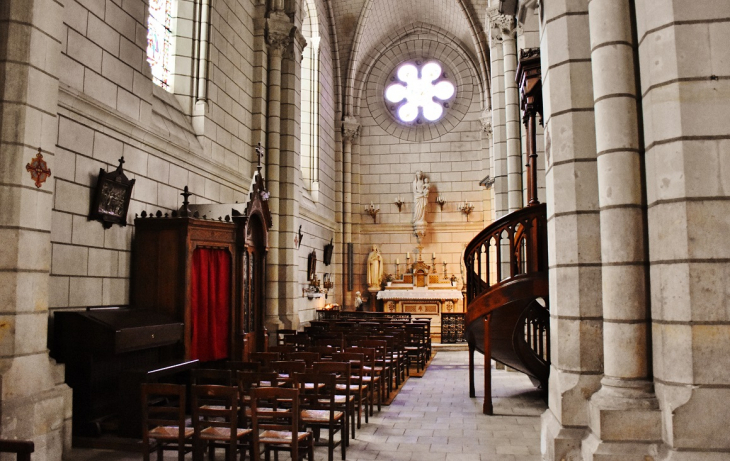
450, 153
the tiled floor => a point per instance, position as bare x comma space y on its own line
433, 418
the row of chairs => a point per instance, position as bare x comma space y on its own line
269, 409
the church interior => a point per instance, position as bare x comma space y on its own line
184, 181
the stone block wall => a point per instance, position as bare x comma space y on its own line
450, 152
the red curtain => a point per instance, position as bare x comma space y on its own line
211, 304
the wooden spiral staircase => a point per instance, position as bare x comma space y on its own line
507, 294
507, 315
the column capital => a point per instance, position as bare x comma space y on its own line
350, 128
501, 26
278, 31
486, 120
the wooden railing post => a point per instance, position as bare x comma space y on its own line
487, 408
472, 387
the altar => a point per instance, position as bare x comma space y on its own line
422, 294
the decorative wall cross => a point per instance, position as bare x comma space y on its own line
260, 153
38, 169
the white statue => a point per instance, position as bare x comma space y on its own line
358, 301
420, 201
375, 268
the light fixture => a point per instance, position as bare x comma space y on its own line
372, 210
399, 203
466, 208
441, 200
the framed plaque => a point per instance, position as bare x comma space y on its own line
111, 198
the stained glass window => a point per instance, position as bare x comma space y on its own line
159, 41
417, 90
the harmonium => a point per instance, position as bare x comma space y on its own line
108, 354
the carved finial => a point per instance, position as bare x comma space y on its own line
144, 214
260, 154
184, 210
121, 162
158, 214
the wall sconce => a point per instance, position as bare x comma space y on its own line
441, 200
466, 208
372, 210
327, 284
313, 291
399, 203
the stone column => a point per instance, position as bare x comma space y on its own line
624, 412
574, 247
350, 132
686, 140
290, 177
35, 404
512, 112
498, 170
278, 38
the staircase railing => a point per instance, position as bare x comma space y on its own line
512, 246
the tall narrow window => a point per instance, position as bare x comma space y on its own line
159, 42
310, 101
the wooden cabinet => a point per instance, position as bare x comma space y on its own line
166, 273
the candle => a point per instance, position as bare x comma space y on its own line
433, 255
408, 255
397, 261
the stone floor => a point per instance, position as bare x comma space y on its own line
434, 419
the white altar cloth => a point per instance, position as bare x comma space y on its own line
418, 294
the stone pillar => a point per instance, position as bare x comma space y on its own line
684, 87
624, 412
278, 38
512, 112
350, 132
35, 404
290, 177
573, 222
498, 166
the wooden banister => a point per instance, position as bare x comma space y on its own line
520, 236
21, 448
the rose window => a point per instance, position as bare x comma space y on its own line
420, 91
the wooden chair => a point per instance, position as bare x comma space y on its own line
264, 359
383, 363
163, 420
281, 333
372, 375
202, 376
344, 398
283, 351
307, 357
318, 409
325, 352
276, 425
215, 422
235, 367
415, 346
246, 382
21, 448
358, 385
286, 369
